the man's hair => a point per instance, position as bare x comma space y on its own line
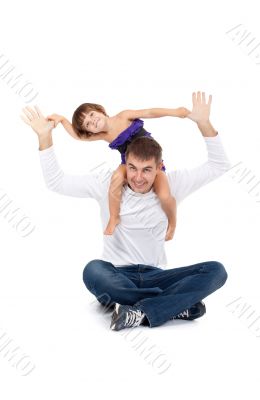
79, 116
144, 148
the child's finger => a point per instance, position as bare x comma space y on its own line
51, 124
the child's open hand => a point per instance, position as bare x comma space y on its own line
183, 112
56, 118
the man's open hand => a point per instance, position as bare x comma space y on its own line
201, 109
35, 119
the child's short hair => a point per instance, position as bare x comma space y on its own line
79, 117
144, 148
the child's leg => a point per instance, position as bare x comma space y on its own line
115, 195
168, 202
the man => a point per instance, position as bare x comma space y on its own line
129, 276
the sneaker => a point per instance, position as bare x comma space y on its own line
195, 311
125, 316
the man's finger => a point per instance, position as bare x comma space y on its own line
25, 120
210, 100
38, 111
203, 98
31, 110
28, 114
198, 97
194, 98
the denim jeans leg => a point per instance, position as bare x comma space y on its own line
182, 288
110, 285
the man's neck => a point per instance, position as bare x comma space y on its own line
139, 192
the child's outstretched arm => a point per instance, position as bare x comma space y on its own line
168, 202
180, 112
115, 195
66, 124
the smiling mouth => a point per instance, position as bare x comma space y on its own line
136, 184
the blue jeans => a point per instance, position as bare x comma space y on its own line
160, 294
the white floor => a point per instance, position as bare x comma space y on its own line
74, 353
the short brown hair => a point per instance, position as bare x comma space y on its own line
79, 117
144, 148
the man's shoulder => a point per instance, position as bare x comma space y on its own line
179, 180
172, 176
101, 177
102, 174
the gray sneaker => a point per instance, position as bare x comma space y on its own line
195, 311
125, 316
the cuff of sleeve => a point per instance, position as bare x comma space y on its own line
212, 138
46, 151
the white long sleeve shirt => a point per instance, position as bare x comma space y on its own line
140, 236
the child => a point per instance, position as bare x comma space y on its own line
91, 122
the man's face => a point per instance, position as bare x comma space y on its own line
141, 174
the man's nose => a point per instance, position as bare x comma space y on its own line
139, 176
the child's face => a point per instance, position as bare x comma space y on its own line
95, 122
141, 174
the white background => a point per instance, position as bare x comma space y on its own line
128, 55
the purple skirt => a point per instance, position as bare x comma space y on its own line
124, 138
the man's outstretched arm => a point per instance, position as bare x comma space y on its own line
89, 185
185, 181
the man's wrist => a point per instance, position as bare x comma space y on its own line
206, 128
45, 141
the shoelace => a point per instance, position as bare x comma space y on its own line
183, 314
134, 318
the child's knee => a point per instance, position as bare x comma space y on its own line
119, 175
165, 197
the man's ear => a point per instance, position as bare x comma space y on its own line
160, 165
